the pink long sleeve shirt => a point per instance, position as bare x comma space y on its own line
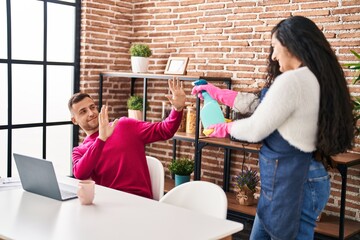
120, 162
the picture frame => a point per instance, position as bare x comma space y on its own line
176, 65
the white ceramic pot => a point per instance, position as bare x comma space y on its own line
139, 64
135, 114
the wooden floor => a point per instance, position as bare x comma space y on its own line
328, 225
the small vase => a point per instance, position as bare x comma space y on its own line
179, 179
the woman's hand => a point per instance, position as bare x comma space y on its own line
224, 96
220, 130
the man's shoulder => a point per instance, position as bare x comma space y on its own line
126, 122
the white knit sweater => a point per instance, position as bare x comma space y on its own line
291, 106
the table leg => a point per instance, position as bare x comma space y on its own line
198, 155
226, 177
144, 99
343, 171
100, 90
132, 86
173, 156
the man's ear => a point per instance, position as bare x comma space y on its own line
74, 121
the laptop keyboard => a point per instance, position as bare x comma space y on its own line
67, 194
67, 191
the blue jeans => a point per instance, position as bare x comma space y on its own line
316, 195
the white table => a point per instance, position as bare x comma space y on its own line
114, 215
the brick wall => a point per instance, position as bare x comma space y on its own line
221, 38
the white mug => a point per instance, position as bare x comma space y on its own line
86, 191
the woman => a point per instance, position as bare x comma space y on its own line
304, 118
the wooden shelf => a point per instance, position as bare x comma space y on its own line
234, 205
161, 76
221, 142
190, 137
328, 225
348, 159
226, 142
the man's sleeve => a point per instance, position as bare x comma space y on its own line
85, 159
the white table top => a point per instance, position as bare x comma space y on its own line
114, 215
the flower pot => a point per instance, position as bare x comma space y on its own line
139, 64
245, 197
181, 179
135, 114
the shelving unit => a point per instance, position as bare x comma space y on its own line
329, 227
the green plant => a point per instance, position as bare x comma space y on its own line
182, 166
135, 103
247, 178
355, 66
140, 50
356, 102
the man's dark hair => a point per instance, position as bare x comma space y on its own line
77, 97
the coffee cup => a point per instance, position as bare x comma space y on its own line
86, 191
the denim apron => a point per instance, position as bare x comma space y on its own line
283, 172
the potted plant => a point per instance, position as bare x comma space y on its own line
355, 66
135, 107
140, 54
182, 168
246, 183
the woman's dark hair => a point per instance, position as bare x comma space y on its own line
273, 70
306, 41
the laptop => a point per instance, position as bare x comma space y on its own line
38, 176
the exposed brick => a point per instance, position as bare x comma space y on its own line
167, 4
319, 5
191, 2
313, 13
346, 10
185, 10
342, 27
212, 19
241, 4
282, 8
273, 2
218, 12
243, 17
191, 26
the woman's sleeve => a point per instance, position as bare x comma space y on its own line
277, 106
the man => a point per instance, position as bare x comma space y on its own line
113, 154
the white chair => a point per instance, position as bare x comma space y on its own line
200, 196
157, 177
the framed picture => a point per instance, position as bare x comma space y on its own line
176, 65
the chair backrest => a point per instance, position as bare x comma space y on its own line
200, 196
157, 177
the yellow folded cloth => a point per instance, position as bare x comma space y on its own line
208, 131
